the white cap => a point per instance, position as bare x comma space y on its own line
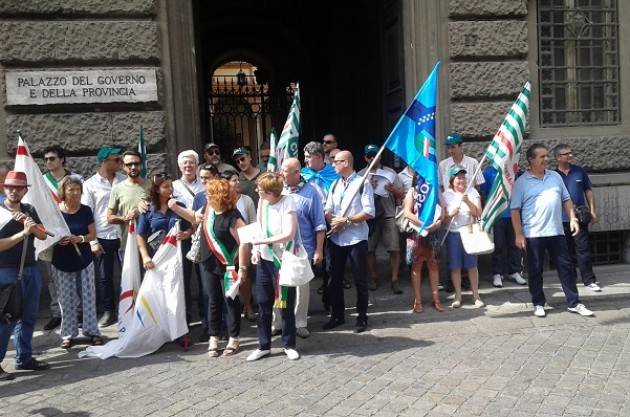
187, 154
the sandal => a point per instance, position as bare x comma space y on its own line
66, 343
231, 350
213, 351
417, 307
96, 340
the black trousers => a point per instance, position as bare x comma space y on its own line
580, 251
216, 302
339, 255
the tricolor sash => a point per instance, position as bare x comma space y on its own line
281, 292
220, 251
53, 186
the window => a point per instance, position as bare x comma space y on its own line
578, 62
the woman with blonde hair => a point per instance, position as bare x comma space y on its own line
73, 265
278, 219
231, 260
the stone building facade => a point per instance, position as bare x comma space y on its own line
488, 49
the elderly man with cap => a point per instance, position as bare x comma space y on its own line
212, 155
96, 193
17, 229
248, 173
455, 145
388, 193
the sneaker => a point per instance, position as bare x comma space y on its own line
593, 287
302, 332
539, 311
456, 304
107, 319
479, 303
33, 365
258, 354
5, 376
581, 310
292, 354
518, 278
497, 281
52, 323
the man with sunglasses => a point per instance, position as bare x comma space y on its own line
96, 194
212, 155
581, 191
388, 192
330, 143
55, 161
127, 195
248, 173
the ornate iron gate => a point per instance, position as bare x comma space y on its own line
243, 111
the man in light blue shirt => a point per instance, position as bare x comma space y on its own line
538, 197
349, 204
312, 227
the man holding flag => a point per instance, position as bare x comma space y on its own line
15, 243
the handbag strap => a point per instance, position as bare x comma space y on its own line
23, 259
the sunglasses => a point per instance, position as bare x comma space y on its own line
566, 154
133, 164
328, 142
50, 158
241, 159
215, 152
370, 156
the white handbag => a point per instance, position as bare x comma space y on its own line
475, 240
295, 269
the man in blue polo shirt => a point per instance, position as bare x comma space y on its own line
538, 198
581, 191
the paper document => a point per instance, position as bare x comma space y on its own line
249, 233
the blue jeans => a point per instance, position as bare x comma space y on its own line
23, 329
265, 295
104, 265
556, 246
504, 238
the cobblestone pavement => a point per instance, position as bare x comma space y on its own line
497, 361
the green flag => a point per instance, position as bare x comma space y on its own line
272, 164
290, 136
504, 153
142, 150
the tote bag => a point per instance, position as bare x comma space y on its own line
475, 240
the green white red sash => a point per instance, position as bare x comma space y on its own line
220, 251
281, 292
53, 186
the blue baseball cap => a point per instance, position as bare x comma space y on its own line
454, 139
370, 149
457, 169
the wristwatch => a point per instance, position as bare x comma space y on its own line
348, 220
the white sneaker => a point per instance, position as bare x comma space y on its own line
518, 278
456, 304
479, 303
539, 311
581, 310
302, 332
292, 354
593, 287
258, 354
497, 281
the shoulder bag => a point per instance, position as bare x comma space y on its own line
475, 240
11, 294
295, 269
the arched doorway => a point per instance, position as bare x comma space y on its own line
242, 106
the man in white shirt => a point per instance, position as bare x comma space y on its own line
184, 190
455, 145
96, 192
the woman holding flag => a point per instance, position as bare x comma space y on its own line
221, 219
277, 216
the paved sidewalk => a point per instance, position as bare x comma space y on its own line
496, 361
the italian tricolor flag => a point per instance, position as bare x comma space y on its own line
504, 154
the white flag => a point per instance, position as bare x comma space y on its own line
39, 196
5, 216
159, 315
129, 281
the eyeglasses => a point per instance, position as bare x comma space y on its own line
213, 152
241, 159
161, 177
566, 154
328, 142
50, 158
336, 161
133, 164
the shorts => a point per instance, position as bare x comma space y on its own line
457, 256
385, 231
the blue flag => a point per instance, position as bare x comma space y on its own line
413, 140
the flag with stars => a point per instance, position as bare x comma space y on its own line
413, 140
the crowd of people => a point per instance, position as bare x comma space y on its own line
324, 207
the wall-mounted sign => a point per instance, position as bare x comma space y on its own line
89, 86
